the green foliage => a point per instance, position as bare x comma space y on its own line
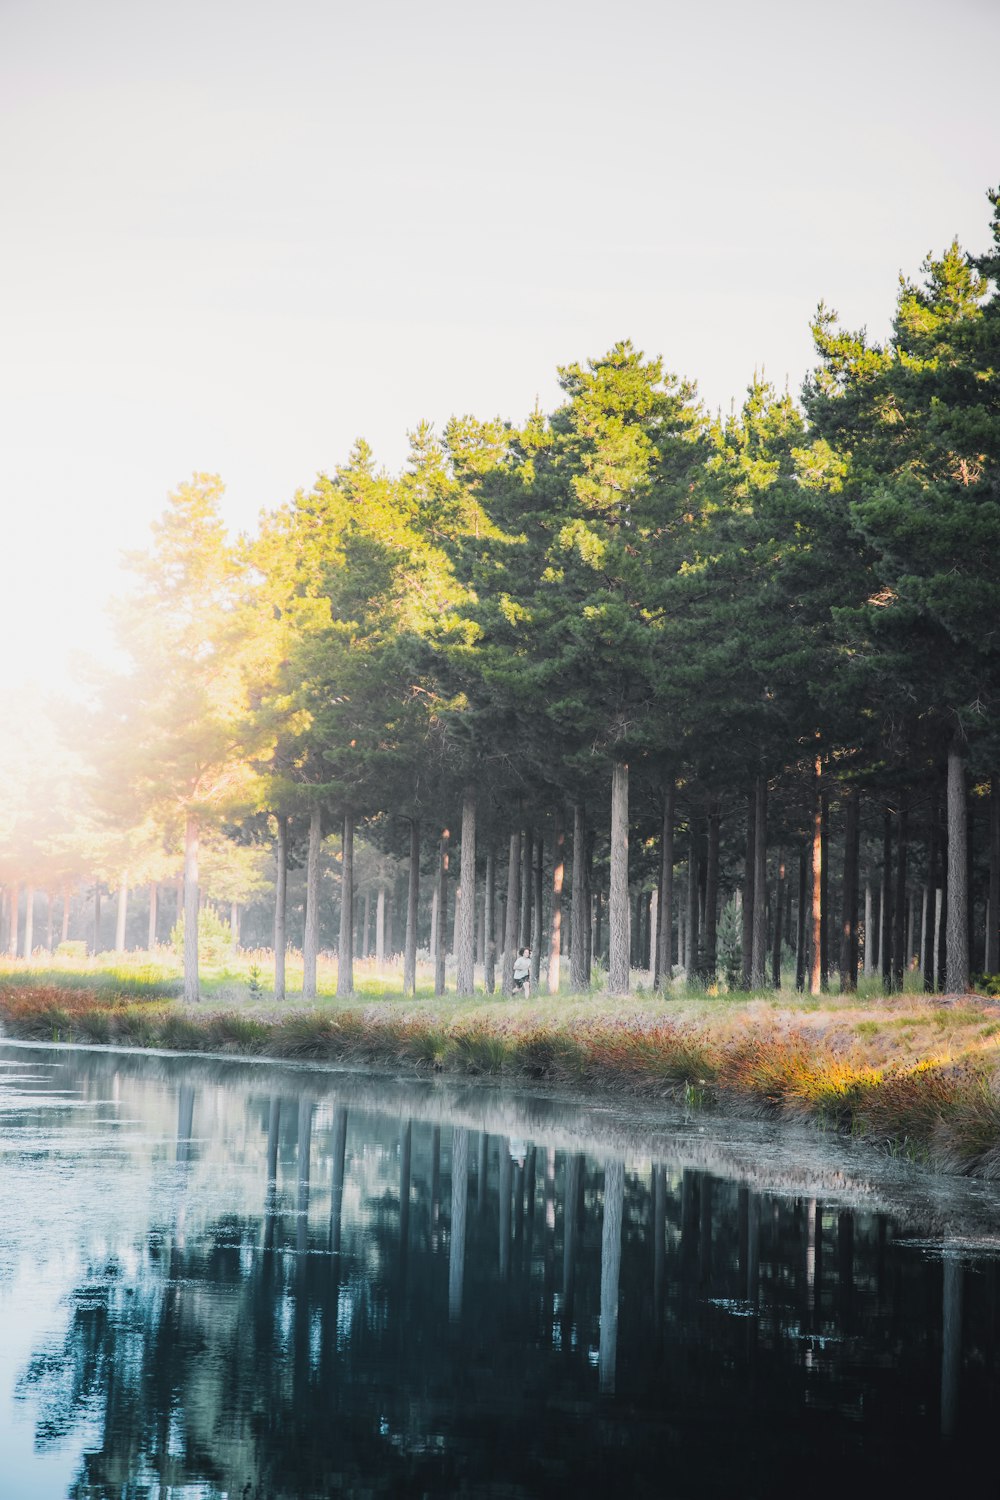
215, 941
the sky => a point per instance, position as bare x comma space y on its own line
238, 235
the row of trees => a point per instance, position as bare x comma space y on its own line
623, 632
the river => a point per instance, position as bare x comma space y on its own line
279, 1282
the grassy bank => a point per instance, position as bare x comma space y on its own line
914, 1075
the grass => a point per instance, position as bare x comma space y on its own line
916, 1076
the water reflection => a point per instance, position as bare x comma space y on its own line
280, 1283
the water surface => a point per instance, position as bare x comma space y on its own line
230, 1280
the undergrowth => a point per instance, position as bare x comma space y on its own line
942, 1107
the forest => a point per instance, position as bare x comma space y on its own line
635, 685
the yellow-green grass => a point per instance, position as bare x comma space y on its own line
918, 1075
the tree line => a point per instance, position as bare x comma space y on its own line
626, 658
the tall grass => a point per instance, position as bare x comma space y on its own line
923, 1083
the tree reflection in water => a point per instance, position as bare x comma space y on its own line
590, 1325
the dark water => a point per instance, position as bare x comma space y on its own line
264, 1282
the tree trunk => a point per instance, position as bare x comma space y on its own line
489, 923
748, 874
824, 892
759, 970
512, 915
816, 970
345, 946
849, 908
589, 902
191, 839
441, 951
885, 925
234, 924
665, 905
29, 920
711, 945
899, 939
280, 904
97, 917
49, 919
65, 912
618, 904
13, 930
555, 918
578, 923
122, 914
779, 906
800, 921
466, 972
929, 950
154, 901
524, 934
412, 897
310, 936
691, 928
992, 961
957, 960
537, 903
380, 925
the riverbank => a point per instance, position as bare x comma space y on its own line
917, 1076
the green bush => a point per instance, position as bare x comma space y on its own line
77, 948
215, 941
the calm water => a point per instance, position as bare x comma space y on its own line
263, 1282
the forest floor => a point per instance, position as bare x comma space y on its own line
917, 1074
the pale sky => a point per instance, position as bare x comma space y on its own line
237, 235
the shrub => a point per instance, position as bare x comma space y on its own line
215, 941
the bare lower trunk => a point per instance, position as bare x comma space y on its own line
280, 905
122, 914
555, 920
816, 966
711, 945
466, 956
899, 957
380, 925
29, 920
511, 915
191, 839
800, 920
538, 873
524, 935
618, 904
412, 898
849, 909
759, 974
345, 947
489, 923
97, 917
154, 900
13, 930
993, 918
49, 920
779, 907
234, 924
578, 920
869, 931
665, 906
691, 928
749, 863
441, 952
957, 959
824, 893
885, 919
65, 913
310, 935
